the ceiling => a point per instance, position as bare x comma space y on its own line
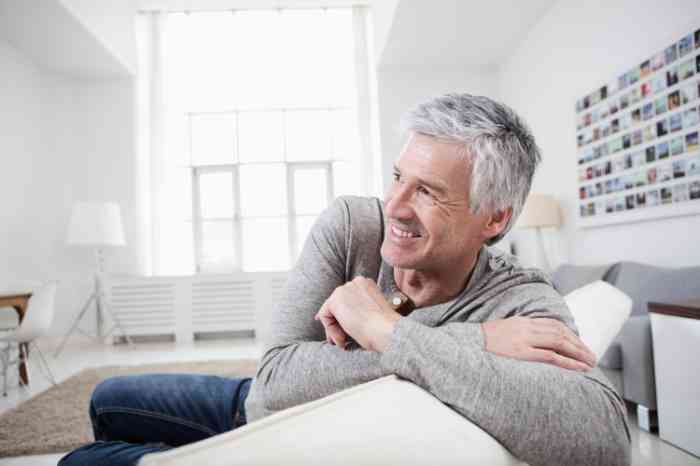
459, 33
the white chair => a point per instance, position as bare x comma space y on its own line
599, 310
36, 323
9, 319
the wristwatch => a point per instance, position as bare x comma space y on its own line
401, 303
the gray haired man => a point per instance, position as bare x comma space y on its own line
490, 339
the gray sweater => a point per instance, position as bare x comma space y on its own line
542, 414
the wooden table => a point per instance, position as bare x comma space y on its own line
18, 301
675, 330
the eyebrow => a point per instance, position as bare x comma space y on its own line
436, 185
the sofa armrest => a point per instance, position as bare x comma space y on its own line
638, 361
386, 421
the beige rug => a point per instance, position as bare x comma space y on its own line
57, 419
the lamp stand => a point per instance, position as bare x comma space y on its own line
97, 296
543, 251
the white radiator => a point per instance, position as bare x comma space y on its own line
198, 304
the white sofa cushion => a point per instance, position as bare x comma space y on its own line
386, 421
599, 310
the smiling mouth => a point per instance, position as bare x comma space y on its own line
401, 233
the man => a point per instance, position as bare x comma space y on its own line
492, 340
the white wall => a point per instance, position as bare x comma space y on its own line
576, 47
64, 140
400, 88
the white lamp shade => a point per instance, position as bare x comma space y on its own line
540, 210
96, 224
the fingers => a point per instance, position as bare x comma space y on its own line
563, 346
335, 334
556, 359
559, 337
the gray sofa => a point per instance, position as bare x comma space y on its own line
629, 363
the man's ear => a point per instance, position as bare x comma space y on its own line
496, 223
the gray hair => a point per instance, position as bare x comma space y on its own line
500, 147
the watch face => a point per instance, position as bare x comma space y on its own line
401, 303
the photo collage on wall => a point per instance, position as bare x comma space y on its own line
637, 136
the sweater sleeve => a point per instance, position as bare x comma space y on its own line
298, 365
542, 414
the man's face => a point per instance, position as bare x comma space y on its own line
429, 224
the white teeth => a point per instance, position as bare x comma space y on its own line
402, 233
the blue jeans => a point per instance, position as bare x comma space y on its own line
135, 415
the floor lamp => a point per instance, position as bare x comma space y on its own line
540, 211
96, 225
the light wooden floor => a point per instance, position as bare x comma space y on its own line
647, 449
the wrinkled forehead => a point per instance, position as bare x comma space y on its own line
425, 156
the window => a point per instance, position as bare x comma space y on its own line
258, 119
255, 202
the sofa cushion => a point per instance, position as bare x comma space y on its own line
385, 421
612, 359
568, 277
644, 283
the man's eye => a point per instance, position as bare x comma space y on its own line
422, 190
397, 177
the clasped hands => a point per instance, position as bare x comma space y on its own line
359, 310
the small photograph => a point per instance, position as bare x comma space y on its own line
583, 211
635, 96
618, 185
612, 87
666, 196
597, 171
649, 133
651, 176
619, 204
608, 168
645, 68
595, 98
693, 168
636, 115
680, 192
648, 111
652, 197
697, 64
610, 206
691, 141
676, 146
633, 76
686, 69
624, 101
603, 112
646, 89
629, 181
658, 83
678, 169
589, 173
629, 202
615, 145
657, 61
676, 122
697, 39
689, 93
603, 150
691, 117
672, 76
625, 121
662, 128
637, 137
662, 150
670, 54
660, 105
608, 186
600, 207
674, 100
629, 163
598, 189
586, 102
603, 91
605, 129
591, 209
694, 190
618, 164
626, 141
641, 200
664, 173
640, 179
613, 107
638, 159
685, 45
596, 134
589, 191
622, 81
615, 125
650, 154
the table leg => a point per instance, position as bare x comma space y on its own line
23, 352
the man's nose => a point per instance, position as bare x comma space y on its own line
397, 203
